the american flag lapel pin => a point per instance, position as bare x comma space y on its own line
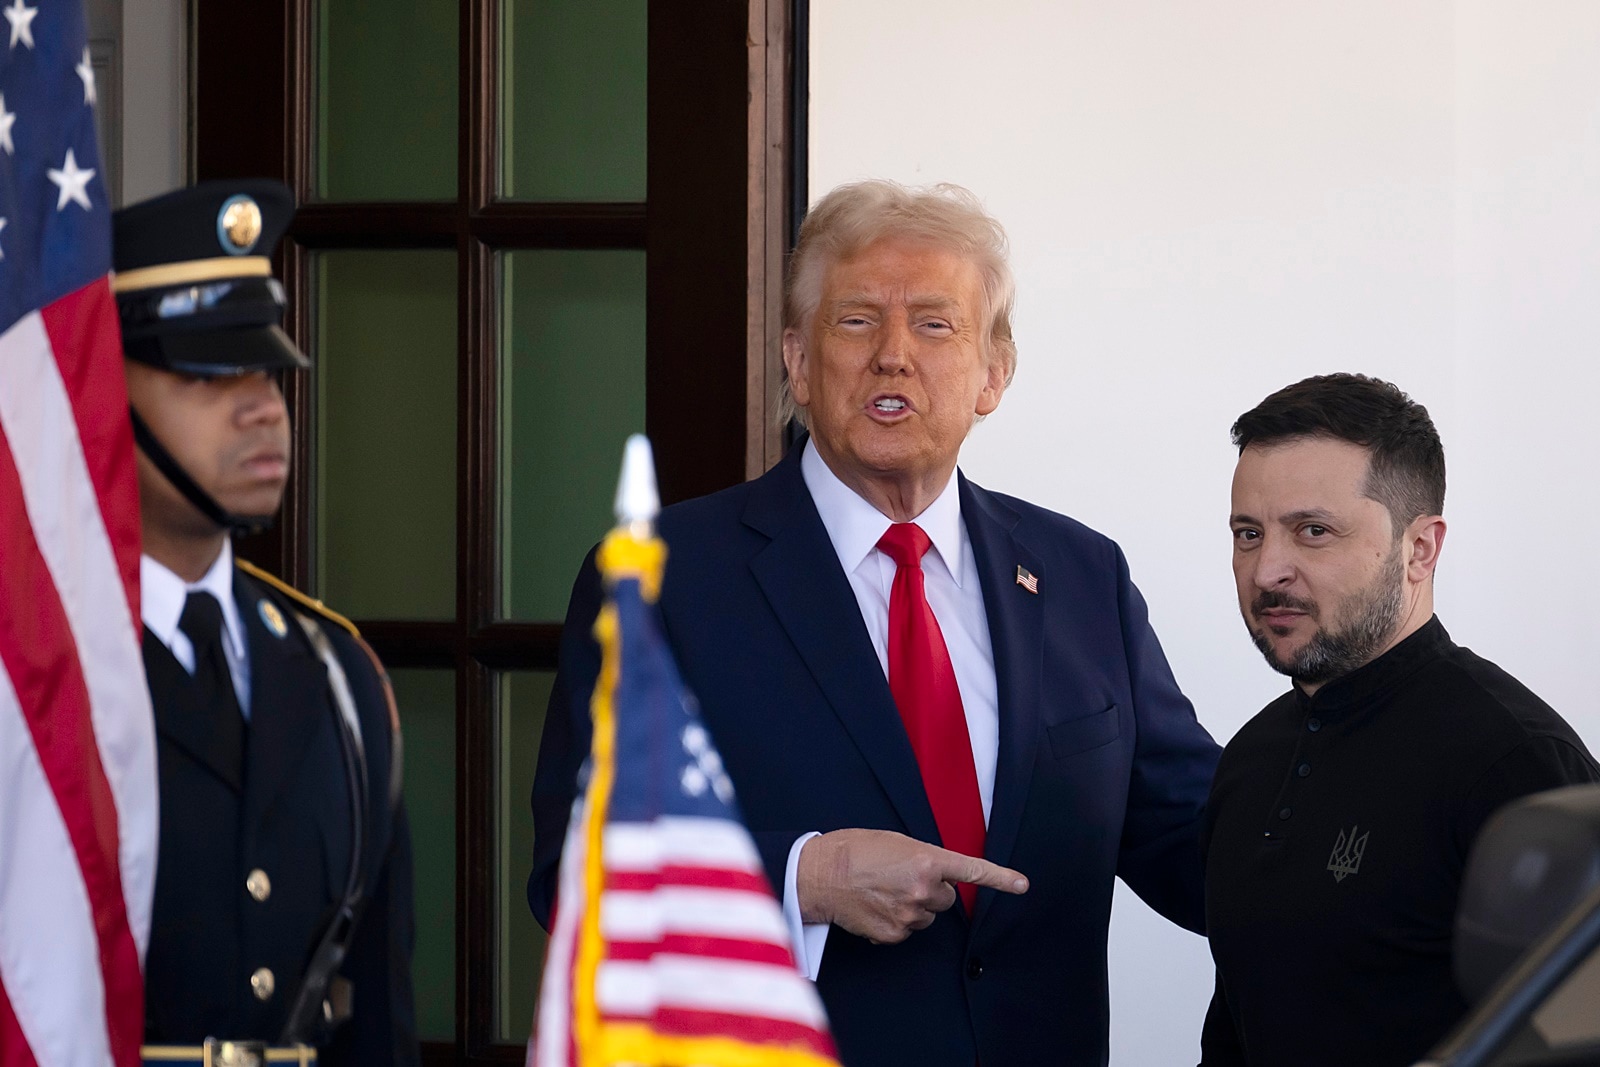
1026, 579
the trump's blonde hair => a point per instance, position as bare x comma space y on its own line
853, 217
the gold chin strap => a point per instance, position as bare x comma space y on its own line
191, 272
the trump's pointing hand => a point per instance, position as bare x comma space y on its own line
883, 885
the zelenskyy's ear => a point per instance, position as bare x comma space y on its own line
1424, 540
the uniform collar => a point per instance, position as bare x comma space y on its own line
1361, 685
854, 525
162, 595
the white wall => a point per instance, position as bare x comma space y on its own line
1208, 201
140, 54
156, 116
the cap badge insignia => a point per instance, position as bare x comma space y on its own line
273, 618
239, 225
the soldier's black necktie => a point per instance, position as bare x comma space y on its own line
201, 622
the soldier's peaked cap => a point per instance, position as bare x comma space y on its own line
193, 278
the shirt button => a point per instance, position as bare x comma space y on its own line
1303, 770
1283, 813
262, 983
1313, 725
974, 968
258, 885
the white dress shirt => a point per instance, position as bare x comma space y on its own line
161, 598
954, 593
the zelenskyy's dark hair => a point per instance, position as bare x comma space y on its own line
1405, 471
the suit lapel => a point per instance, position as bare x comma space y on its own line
288, 697
183, 718
812, 599
1016, 633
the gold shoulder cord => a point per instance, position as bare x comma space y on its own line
319, 608
309, 603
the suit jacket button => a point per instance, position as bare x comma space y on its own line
975, 968
258, 885
262, 983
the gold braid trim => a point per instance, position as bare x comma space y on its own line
309, 603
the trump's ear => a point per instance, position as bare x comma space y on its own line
994, 387
794, 362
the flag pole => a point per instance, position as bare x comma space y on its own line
637, 502
648, 970
630, 550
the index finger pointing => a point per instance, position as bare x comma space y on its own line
983, 873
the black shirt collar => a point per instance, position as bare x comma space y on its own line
1387, 671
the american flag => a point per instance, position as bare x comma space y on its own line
77, 739
668, 947
1027, 579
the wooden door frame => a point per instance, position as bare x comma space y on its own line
723, 77
722, 181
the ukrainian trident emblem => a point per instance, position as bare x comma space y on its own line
1347, 853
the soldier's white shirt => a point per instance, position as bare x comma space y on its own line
161, 598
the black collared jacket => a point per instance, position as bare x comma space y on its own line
288, 818
1337, 834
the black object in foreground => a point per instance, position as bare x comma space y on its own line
1528, 937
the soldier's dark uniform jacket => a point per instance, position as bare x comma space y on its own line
251, 869
284, 849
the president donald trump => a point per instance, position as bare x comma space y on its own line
945, 714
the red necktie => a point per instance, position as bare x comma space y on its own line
923, 682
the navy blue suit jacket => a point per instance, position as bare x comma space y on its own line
1103, 769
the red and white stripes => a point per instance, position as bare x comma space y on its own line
694, 943
78, 809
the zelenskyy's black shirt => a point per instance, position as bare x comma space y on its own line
1339, 825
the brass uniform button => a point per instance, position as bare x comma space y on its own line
258, 885
262, 983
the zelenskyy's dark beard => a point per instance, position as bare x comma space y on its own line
1332, 654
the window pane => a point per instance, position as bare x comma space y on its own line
520, 940
427, 700
386, 433
571, 390
386, 99
573, 99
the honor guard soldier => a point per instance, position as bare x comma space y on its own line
283, 902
